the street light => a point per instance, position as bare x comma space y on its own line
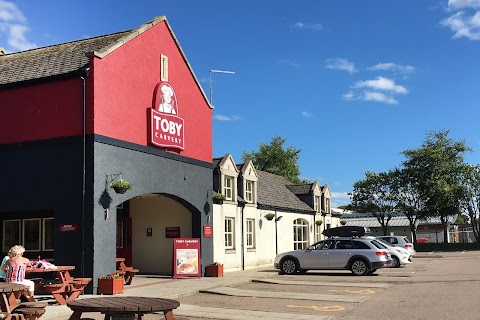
216, 71
277, 218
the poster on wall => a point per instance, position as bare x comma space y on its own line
186, 257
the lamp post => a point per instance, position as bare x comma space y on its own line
216, 71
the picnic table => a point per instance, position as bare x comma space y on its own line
127, 272
65, 288
123, 305
12, 309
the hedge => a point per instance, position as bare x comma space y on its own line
427, 247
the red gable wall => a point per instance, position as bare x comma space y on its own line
120, 88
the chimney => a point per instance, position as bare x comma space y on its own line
2, 51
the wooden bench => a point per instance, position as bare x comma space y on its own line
127, 272
68, 290
25, 311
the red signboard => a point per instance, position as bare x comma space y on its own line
186, 257
166, 125
68, 227
207, 231
172, 232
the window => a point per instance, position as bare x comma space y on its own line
163, 68
34, 234
11, 233
300, 234
250, 233
229, 227
228, 188
249, 191
316, 204
48, 234
327, 201
318, 232
31, 234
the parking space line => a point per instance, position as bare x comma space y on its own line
317, 308
364, 291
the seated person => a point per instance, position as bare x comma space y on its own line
15, 270
2, 274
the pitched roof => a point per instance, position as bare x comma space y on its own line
303, 188
71, 57
273, 193
52, 60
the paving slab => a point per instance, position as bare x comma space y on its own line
313, 283
186, 310
284, 295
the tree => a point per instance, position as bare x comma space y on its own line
374, 195
274, 158
470, 203
437, 168
409, 197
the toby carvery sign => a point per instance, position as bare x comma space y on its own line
166, 125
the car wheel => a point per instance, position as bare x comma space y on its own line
359, 267
396, 262
289, 266
372, 271
302, 271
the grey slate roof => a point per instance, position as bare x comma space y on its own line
273, 193
304, 188
53, 60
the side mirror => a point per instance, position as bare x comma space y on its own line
310, 248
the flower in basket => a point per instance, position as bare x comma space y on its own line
121, 184
111, 276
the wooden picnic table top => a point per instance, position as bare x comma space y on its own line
123, 304
43, 270
11, 287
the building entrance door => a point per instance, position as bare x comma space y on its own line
124, 239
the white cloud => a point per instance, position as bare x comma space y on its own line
13, 23
464, 25
350, 96
389, 66
306, 114
459, 4
378, 97
290, 62
381, 83
340, 64
308, 26
220, 117
340, 198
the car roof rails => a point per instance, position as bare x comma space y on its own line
346, 231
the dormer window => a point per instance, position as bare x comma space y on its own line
316, 204
249, 191
228, 187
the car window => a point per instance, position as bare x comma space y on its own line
343, 244
360, 245
394, 240
324, 245
378, 244
407, 240
382, 241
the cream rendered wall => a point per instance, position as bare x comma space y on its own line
154, 255
229, 257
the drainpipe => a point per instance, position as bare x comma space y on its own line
242, 207
85, 73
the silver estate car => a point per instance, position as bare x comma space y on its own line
362, 256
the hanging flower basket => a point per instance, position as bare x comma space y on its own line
269, 216
218, 198
120, 186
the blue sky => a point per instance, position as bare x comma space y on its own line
350, 83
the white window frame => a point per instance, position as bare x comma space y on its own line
300, 234
19, 221
163, 68
250, 233
318, 232
316, 203
327, 204
249, 191
229, 233
39, 234
44, 234
228, 187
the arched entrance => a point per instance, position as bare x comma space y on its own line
146, 227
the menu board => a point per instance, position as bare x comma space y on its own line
186, 257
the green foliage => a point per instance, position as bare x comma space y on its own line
269, 216
219, 196
343, 222
121, 184
318, 222
431, 246
274, 158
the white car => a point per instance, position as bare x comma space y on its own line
402, 242
400, 256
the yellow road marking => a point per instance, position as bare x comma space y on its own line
317, 308
364, 291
